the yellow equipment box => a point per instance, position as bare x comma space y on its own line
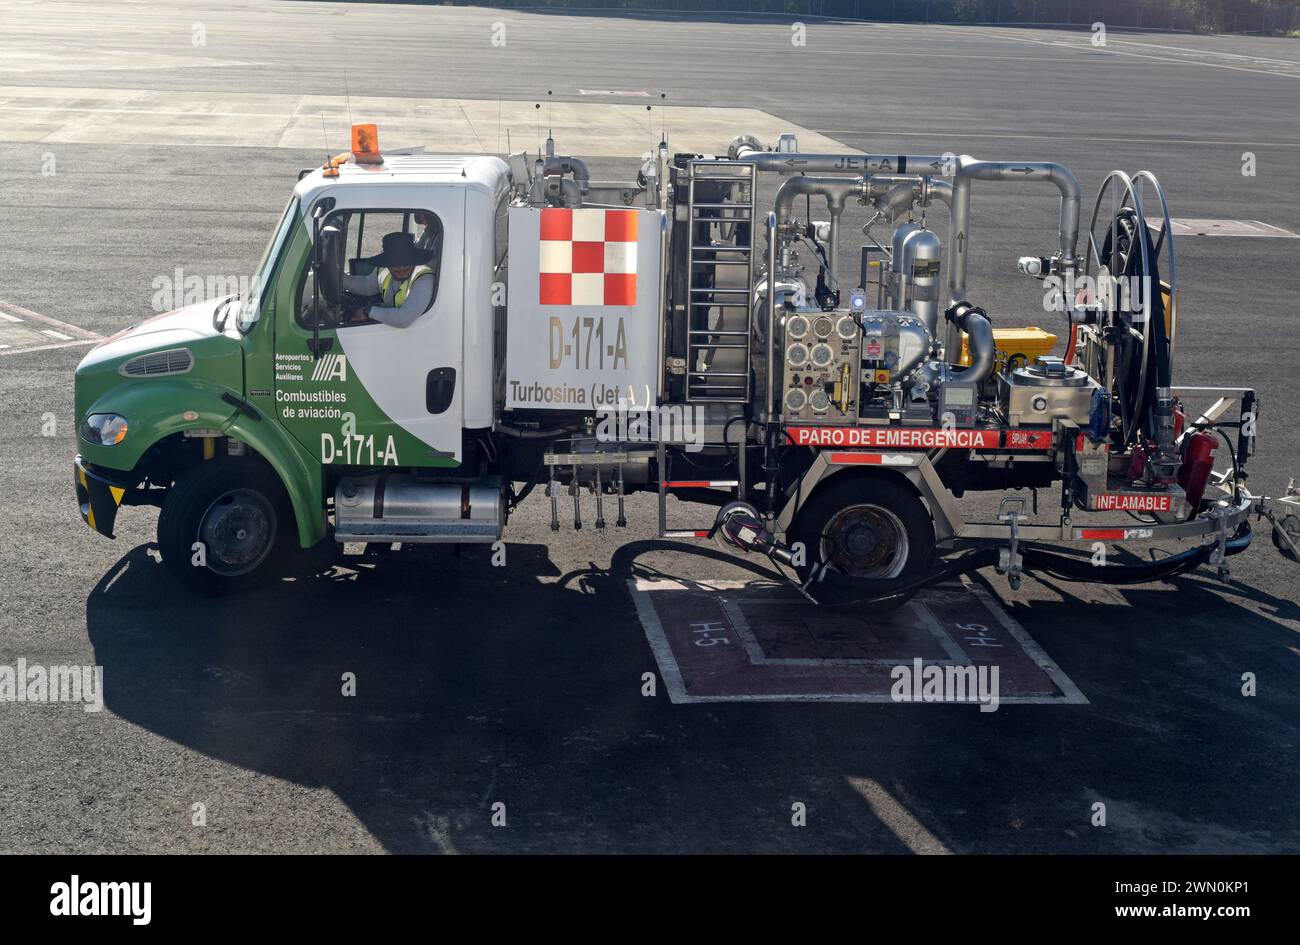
1019, 346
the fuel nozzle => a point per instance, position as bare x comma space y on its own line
740, 526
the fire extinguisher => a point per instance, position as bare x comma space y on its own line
1198, 463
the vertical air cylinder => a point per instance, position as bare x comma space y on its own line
922, 254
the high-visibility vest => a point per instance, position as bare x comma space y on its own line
404, 289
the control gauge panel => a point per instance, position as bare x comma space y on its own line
819, 379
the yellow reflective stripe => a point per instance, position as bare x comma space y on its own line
90, 515
117, 493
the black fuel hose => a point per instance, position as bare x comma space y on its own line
1071, 568
841, 590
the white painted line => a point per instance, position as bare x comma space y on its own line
922, 615
10, 318
1210, 52
898, 819
932, 135
50, 347
56, 334
663, 653
591, 125
1230, 228
1072, 694
2, 347
1084, 45
69, 331
659, 646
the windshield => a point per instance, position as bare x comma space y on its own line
251, 307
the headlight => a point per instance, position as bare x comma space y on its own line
105, 429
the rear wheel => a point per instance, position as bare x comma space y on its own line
224, 525
871, 528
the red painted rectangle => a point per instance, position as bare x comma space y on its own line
1133, 502
898, 438
1027, 440
555, 288
865, 459
1102, 534
620, 226
620, 288
557, 224
588, 257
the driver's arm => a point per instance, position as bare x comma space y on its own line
362, 285
417, 302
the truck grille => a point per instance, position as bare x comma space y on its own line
158, 363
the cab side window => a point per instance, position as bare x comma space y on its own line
351, 276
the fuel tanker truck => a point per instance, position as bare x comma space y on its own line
669, 333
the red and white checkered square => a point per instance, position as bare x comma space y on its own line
588, 257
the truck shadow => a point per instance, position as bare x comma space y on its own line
521, 686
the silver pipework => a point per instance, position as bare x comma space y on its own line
771, 315
969, 169
836, 190
556, 164
894, 193
746, 148
569, 191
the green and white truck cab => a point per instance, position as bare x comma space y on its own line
239, 416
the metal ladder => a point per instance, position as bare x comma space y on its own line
717, 346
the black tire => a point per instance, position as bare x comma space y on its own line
237, 508
874, 528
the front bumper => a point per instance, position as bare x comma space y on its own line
98, 496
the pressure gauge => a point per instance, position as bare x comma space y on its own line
822, 355
819, 400
847, 328
795, 399
796, 355
823, 327
796, 327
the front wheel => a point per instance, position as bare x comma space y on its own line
873, 529
223, 525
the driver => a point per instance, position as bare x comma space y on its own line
403, 282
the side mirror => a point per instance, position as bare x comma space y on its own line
321, 264
329, 246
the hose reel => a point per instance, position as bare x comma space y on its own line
1130, 349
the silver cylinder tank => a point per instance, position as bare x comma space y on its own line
397, 507
922, 255
897, 289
